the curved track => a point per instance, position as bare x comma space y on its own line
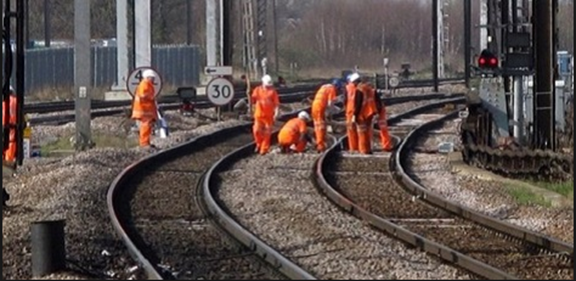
273, 197
482, 245
165, 221
169, 225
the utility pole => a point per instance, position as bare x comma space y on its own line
261, 19
47, 23
483, 24
188, 22
441, 39
544, 136
226, 30
142, 33
275, 23
211, 32
467, 40
121, 45
435, 50
82, 73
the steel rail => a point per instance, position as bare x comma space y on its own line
255, 244
537, 239
287, 97
65, 118
152, 271
391, 228
267, 253
56, 106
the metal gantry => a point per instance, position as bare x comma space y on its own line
250, 59
261, 19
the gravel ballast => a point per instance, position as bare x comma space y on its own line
273, 197
490, 197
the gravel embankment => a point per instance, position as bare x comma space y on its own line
274, 198
490, 197
74, 188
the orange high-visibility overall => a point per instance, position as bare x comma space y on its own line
266, 101
367, 113
351, 129
10, 153
385, 140
325, 94
293, 133
144, 109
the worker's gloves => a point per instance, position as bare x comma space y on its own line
354, 119
276, 114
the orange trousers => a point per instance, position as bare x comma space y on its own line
365, 135
352, 133
385, 140
318, 115
145, 131
285, 145
10, 152
262, 131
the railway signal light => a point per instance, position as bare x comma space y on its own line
487, 60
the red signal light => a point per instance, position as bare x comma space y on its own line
487, 60
493, 62
481, 61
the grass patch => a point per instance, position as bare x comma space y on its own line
523, 196
565, 188
100, 140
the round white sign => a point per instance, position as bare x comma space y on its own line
136, 76
393, 81
220, 91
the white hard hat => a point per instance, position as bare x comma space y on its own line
353, 77
148, 73
266, 80
304, 115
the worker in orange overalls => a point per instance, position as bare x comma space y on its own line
352, 106
293, 135
144, 107
323, 100
365, 118
385, 140
267, 103
9, 155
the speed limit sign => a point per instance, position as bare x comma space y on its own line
136, 76
220, 91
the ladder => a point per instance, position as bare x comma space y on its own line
250, 59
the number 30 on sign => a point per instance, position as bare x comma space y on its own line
220, 91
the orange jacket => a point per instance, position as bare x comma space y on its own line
144, 106
325, 94
12, 118
292, 131
266, 100
368, 100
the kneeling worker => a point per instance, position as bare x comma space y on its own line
294, 133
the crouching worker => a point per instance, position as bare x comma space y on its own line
293, 133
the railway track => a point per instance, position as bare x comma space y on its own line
167, 224
109, 108
273, 197
485, 246
171, 101
165, 221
